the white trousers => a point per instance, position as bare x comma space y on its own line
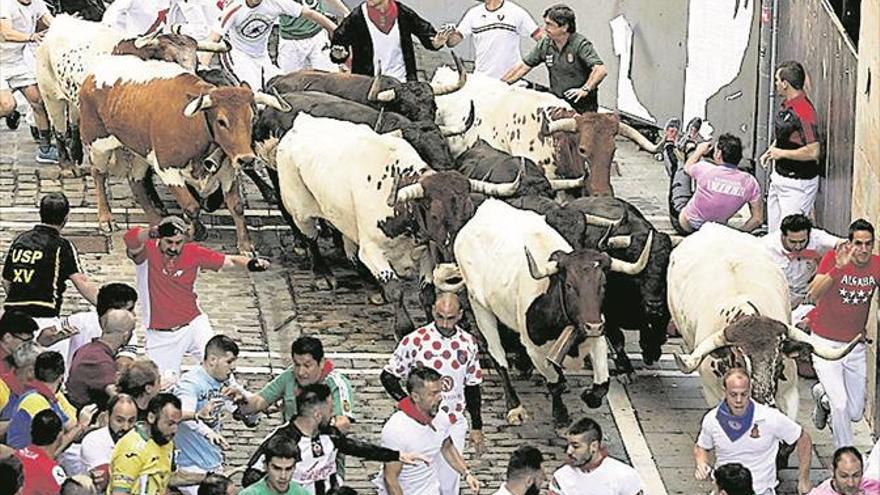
450, 481
256, 71
844, 384
166, 349
309, 53
787, 196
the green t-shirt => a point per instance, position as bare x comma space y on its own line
569, 68
261, 488
284, 387
300, 28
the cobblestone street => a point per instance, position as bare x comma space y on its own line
651, 422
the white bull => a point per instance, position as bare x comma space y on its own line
518, 270
348, 175
730, 303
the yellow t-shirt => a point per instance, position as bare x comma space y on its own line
138, 465
4, 394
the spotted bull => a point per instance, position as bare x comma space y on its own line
535, 125
65, 57
382, 197
520, 272
730, 303
118, 111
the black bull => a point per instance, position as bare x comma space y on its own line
425, 136
631, 301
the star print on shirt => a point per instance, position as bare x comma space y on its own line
854, 297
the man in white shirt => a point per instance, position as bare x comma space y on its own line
18, 32
744, 431
525, 473
497, 26
136, 17
797, 250
410, 429
247, 25
454, 353
98, 445
589, 465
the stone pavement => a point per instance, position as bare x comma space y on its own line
653, 421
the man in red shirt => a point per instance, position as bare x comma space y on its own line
795, 150
842, 289
42, 475
167, 266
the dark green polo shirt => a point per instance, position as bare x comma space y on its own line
569, 68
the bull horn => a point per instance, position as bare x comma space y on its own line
635, 136
412, 191
379, 119
203, 102
549, 126
498, 190
274, 100
687, 363
550, 268
445, 89
147, 40
676, 240
450, 131
222, 46
447, 277
392, 196
398, 133
598, 221
374, 94
628, 268
563, 184
619, 241
823, 351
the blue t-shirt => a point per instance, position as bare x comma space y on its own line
195, 389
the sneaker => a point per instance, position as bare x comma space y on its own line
13, 119
47, 154
820, 411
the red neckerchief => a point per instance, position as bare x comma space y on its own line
383, 21
409, 408
12, 381
804, 254
328, 367
43, 390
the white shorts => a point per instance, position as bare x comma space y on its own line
17, 74
166, 348
309, 53
450, 481
256, 71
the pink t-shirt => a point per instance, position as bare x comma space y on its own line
869, 487
721, 191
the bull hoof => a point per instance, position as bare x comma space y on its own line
403, 327
376, 298
325, 282
200, 232
561, 418
651, 356
517, 416
623, 364
594, 395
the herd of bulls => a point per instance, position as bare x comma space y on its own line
464, 181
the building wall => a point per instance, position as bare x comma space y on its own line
866, 166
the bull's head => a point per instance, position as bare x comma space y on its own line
580, 276
762, 344
414, 99
229, 113
592, 136
441, 204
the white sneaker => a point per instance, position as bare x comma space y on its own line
820, 408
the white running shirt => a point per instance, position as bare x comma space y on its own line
404, 434
799, 271
612, 477
136, 17
24, 20
248, 28
387, 52
497, 36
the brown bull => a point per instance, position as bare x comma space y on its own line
169, 118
